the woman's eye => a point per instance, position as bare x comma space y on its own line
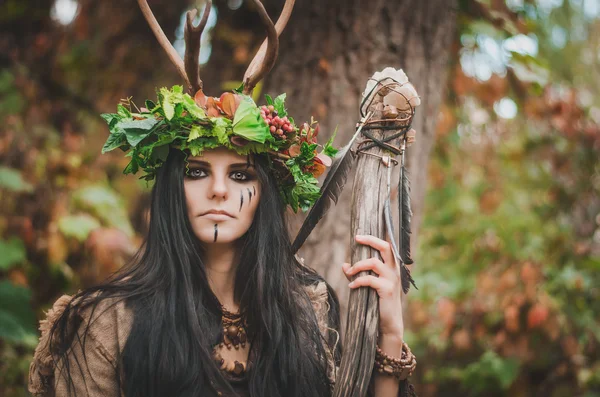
196, 173
239, 176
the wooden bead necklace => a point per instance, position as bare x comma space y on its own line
234, 336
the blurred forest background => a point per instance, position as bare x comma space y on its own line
506, 176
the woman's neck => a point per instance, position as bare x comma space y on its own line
221, 265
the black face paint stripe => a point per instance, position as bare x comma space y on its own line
253, 188
241, 200
250, 196
216, 232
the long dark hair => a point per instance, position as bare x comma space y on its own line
176, 316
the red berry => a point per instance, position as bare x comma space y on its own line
276, 119
285, 119
279, 131
273, 128
271, 108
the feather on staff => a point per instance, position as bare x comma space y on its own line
331, 189
389, 224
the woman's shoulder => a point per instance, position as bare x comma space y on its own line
106, 325
319, 296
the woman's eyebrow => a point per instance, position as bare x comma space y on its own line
207, 164
241, 165
200, 162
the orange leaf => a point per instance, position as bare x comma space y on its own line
200, 99
211, 107
318, 169
229, 103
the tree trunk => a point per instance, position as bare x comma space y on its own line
327, 52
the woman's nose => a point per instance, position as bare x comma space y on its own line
219, 187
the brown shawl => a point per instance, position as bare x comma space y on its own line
108, 331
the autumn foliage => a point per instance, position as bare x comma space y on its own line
508, 262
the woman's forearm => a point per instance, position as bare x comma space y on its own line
388, 386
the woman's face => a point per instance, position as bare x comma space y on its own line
222, 193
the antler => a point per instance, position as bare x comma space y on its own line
192, 36
265, 58
190, 71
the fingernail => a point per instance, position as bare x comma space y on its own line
351, 284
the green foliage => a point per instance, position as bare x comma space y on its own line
17, 321
102, 202
489, 372
177, 121
13, 253
12, 180
11, 101
77, 226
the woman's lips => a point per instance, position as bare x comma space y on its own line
216, 217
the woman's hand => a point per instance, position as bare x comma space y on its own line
388, 285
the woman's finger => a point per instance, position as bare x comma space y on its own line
384, 248
373, 264
345, 268
383, 287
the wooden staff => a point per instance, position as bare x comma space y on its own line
369, 195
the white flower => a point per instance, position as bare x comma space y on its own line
404, 93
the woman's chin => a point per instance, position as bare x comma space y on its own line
217, 235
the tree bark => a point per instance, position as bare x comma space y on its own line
327, 53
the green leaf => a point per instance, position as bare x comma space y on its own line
111, 119
77, 226
196, 132
13, 253
123, 112
220, 130
269, 99
114, 141
197, 146
167, 104
328, 149
160, 153
17, 320
240, 88
151, 106
192, 108
145, 124
12, 180
248, 123
136, 130
279, 105
132, 167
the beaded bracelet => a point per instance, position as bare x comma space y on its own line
401, 368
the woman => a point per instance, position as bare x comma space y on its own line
217, 240
215, 302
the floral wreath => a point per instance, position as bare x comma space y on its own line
234, 121
194, 124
